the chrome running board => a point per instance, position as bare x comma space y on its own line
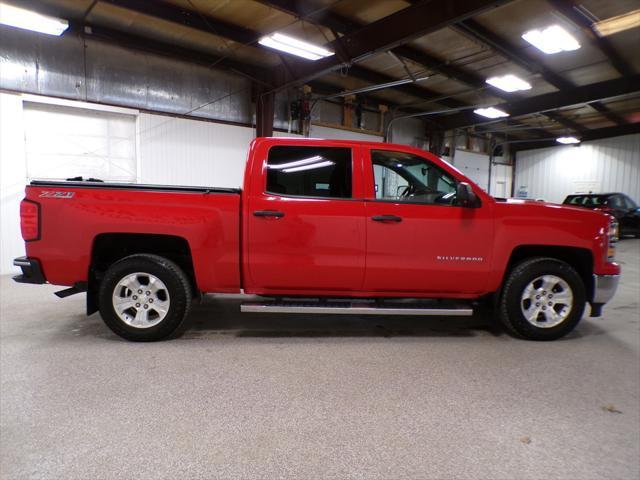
351, 309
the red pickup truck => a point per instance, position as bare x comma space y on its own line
321, 226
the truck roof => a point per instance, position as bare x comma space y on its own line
327, 141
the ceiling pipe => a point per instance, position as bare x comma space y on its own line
372, 88
433, 112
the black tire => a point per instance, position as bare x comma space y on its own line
176, 282
510, 310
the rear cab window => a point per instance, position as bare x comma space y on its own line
310, 171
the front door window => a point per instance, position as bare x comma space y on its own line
403, 177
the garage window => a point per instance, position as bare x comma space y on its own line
64, 142
309, 171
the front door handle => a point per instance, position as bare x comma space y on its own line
268, 213
386, 218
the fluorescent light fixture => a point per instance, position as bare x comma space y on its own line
567, 140
313, 166
294, 46
491, 112
617, 24
30, 20
553, 39
509, 83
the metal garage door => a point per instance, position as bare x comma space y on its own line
475, 166
63, 142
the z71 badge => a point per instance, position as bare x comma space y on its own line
47, 194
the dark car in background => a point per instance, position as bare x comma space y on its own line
619, 205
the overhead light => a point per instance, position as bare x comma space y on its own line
553, 39
30, 20
313, 166
294, 46
509, 83
491, 112
567, 140
617, 24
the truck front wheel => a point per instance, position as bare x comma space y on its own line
144, 297
542, 299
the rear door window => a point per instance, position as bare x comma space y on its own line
308, 171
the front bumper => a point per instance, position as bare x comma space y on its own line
604, 288
31, 271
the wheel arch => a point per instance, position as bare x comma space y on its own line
108, 248
580, 259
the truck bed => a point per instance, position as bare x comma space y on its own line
78, 216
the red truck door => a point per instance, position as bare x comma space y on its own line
418, 240
304, 220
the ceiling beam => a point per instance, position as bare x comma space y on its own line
387, 33
551, 101
211, 25
413, 89
189, 18
312, 12
596, 134
473, 29
569, 9
131, 40
511, 52
136, 42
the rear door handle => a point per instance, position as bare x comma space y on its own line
386, 218
268, 213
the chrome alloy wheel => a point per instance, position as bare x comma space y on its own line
546, 301
141, 300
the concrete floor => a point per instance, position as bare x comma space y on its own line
250, 396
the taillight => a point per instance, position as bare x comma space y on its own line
30, 220
613, 239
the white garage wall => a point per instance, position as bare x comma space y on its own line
612, 164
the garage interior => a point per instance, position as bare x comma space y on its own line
172, 92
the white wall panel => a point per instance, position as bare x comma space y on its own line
612, 164
177, 151
13, 176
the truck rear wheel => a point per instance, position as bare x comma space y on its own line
542, 299
144, 297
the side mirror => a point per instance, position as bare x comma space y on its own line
465, 196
